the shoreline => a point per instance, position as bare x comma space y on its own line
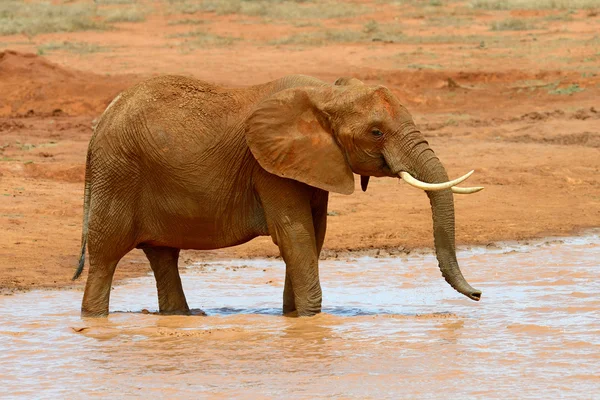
326, 254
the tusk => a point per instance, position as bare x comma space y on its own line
467, 190
432, 186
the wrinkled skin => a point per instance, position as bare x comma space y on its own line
176, 163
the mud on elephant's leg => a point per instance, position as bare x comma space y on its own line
171, 299
319, 217
287, 206
319, 213
302, 263
296, 243
289, 301
96, 296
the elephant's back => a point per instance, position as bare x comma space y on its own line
172, 118
173, 100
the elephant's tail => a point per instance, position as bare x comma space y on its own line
86, 214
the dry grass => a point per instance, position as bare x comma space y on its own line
19, 17
535, 4
71, 47
512, 24
273, 9
188, 21
370, 32
116, 1
120, 14
34, 18
321, 38
202, 38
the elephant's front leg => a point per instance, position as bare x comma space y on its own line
303, 289
319, 217
289, 302
287, 206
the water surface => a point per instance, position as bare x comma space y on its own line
391, 328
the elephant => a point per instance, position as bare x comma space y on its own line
178, 163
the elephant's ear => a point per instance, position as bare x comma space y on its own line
289, 135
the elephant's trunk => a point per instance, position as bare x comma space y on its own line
429, 169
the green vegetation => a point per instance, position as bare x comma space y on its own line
569, 90
273, 9
71, 47
535, 4
512, 24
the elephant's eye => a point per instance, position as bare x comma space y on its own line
376, 132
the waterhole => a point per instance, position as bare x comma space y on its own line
391, 328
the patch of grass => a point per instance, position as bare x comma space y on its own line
384, 33
450, 19
535, 4
202, 38
71, 47
371, 26
424, 66
115, 1
569, 90
19, 17
188, 21
566, 16
304, 23
119, 14
273, 9
320, 38
512, 24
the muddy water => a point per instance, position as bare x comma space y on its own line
391, 328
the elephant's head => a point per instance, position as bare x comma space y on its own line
321, 135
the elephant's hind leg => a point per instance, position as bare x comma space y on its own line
171, 299
97, 288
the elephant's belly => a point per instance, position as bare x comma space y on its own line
205, 233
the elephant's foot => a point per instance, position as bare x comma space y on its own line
94, 313
292, 311
174, 304
175, 312
288, 309
308, 312
308, 302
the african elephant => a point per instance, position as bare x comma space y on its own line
177, 163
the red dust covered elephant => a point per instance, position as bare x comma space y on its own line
177, 163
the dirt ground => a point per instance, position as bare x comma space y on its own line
511, 93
